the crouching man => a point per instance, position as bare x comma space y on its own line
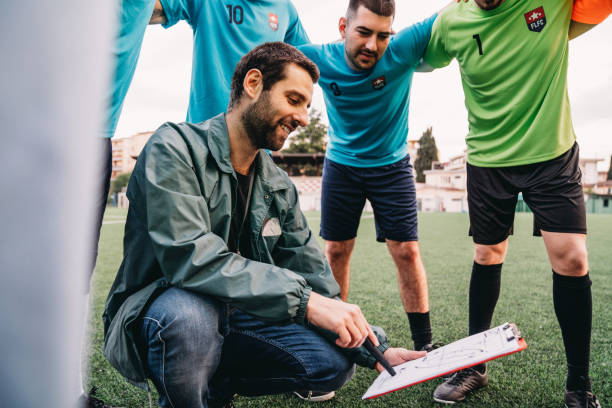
223, 288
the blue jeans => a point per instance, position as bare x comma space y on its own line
199, 353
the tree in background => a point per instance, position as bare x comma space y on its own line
120, 182
310, 138
427, 153
610, 170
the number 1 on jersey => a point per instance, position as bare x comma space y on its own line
477, 38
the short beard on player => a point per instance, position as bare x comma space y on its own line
258, 125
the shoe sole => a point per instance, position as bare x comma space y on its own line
319, 398
441, 401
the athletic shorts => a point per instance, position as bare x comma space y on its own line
390, 189
552, 190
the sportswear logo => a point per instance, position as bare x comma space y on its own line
273, 21
379, 83
536, 19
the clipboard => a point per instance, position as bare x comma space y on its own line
489, 345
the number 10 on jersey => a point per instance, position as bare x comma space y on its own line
236, 14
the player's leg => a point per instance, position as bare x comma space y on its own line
392, 192
556, 199
492, 198
342, 201
338, 254
412, 280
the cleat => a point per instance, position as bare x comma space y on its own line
580, 399
459, 385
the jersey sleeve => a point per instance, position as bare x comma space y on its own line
309, 50
295, 35
437, 54
177, 10
591, 11
410, 43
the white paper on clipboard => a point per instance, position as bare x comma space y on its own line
488, 345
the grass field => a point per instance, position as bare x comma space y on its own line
533, 378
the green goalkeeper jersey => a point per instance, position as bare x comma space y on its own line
513, 62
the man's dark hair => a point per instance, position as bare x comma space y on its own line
385, 8
270, 58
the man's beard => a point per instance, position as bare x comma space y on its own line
258, 125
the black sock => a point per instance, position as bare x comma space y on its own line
484, 292
420, 327
573, 307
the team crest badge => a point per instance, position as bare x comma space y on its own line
536, 19
379, 83
273, 21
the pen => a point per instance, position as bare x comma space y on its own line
378, 355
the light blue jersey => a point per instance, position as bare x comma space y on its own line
132, 20
368, 110
225, 30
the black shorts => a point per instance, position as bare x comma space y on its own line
389, 188
552, 190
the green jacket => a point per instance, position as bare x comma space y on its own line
182, 195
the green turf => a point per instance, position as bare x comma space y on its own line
533, 378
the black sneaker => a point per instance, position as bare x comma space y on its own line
580, 399
89, 401
459, 385
315, 396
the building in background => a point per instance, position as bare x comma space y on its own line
444, 189
125, 152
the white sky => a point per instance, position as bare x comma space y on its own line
160, 89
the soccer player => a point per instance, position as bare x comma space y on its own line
513, 57
222, 34
366, 81
223, 288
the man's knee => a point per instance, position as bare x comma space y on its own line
187, 324
573, 262
406, 252
490, 254
338, 250
331, 373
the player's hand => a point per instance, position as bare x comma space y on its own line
344, 319
397, 355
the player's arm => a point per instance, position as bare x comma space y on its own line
586, 14
158, 16
576, 29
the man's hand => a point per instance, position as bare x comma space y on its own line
397, 355
158, 16
344, 319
